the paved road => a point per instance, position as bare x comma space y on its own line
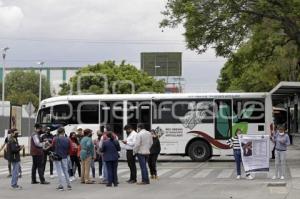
178, 178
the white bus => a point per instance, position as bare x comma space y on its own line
196, 125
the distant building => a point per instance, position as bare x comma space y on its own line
56, 75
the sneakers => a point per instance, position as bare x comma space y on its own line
274, 178
143, 183
51, 176
249, 177
60, 188
238, 177
131, 181
45, 183
69, 187
72, 179
282, 178
17, 187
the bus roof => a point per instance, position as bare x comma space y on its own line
114, 97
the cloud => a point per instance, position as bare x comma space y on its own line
10, 18
59, 21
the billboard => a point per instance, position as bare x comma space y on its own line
16, 118
162, 63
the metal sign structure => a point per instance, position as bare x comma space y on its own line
162, 63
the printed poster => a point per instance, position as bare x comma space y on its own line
255, 152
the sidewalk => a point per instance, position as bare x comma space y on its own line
293, 161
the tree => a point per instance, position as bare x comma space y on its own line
23, 87
108, 77
247, 71
226, 25
260, 38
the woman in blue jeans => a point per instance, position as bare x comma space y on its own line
235, 145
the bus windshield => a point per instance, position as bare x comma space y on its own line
58, 114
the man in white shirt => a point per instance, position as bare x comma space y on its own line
142, 147
129, 145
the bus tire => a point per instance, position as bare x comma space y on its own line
199, 151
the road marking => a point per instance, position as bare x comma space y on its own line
127, 175
23, 169
122, 171
225, 173
203, 173
163, 171
295, 172
181, 173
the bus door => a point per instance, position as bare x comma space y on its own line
139, 112
111, 114
223, 118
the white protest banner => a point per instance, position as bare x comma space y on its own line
255, 152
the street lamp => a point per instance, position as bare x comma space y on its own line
41, 63
3, 76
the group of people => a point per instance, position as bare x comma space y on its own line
280, 140
79, 152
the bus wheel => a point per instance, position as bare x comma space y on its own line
199, 151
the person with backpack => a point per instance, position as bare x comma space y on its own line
13, 150
61, 146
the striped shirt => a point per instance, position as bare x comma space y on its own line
234, 143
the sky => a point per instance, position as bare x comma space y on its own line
81, 32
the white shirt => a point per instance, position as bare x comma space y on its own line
130, 140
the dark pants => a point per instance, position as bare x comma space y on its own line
9, 167
99, 160
112, 167
152, 164
45, 162
273, 152
131, 164
37, 164
75, 163
143, 165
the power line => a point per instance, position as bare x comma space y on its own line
76, 40
101, 60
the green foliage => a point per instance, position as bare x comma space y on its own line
259, 65
261, 38
226, 24
108, 77
23, 87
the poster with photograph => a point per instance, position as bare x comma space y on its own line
255, 152
16, 118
